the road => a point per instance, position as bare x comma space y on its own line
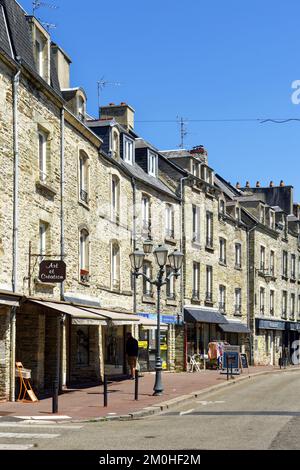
262, 413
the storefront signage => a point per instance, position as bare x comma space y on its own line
231, 360
52, 271
293, 326
170, 319
270, 325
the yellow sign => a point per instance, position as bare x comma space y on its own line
164, 365
143, 344
164, 347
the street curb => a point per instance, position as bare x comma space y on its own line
172, 403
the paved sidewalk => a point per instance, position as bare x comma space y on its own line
87, 403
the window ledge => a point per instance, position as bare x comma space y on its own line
240, 314
45, 187
48, 285
171, 302
285, 278
222, 263
209, 248
238, 268
196, 244
170, 240
148, 300
293, 280
209, 303
84, 204
195, 301
86, 284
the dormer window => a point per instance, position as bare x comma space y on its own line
222, 207
81, 108
128, 150
195, 168
237, 213
152, 159
262, 215
39, 48
272, 219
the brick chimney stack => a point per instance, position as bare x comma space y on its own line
238, 186
282, 184
122, 113
257, 184
247, 184
271, 184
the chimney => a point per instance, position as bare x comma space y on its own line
247, 184
238, 186
62, 63
122, 113
257, 184
271, 184
281, 184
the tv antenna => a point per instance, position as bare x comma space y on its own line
36, 4
101, 84
49, 26
183, 131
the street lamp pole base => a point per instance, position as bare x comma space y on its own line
158, 388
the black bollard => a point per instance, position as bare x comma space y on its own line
231, 376
280, 361
136, 385
55, 397
227, 370
105, 391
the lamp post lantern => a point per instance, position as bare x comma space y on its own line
161, 256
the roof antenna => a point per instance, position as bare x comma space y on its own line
101, 84
183, 130
36, 4
49, 26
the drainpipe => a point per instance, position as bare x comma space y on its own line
62, 348
15, 85
133, 183
183, 250
251, 327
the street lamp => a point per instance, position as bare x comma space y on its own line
161, 255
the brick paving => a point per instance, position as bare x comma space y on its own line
87, 403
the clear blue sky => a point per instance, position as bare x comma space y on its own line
200, 60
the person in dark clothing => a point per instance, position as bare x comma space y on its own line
132, 350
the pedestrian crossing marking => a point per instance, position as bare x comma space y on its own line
34, 424
19, 435
15, 446
186, 412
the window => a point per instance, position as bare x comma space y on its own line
81, 108
152, 161
209, 229
83, 348
84, 262
272, 302
115, 266
196, 224
238, 301
284, 264
262, 215
222, 207
272, 263
299, 267
293, 267
298, 306
83, 178
209, 276
284, 304
195, 169
222, 299
43, 137
272, 219
115, 144
196, 280
293, 302
169, 221
238, 255
170, 288
262, 259
43, 242
128, 150
147, 287
222, 258
262, 296
237, 213
115, 199
39, 56
146, 216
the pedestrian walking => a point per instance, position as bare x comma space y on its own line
132, 351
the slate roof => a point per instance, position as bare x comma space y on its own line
21, 40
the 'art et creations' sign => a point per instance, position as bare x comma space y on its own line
52, 271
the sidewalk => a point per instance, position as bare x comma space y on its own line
87, 403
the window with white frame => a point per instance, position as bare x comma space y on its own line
237, 213
115, 266
83, 177
222, 299
222, 207
209, 229
293, 302
147, 286
209, 284
195, 168
196, 224
262, 264
128, 150
222, 257
169, 212
272, 301
262, 298
39, 56
298, 309
81, 108
272, 219
84, 256
43, 238
284, 264
293, 267
170, 287
43, 163
146, 215
272, 263
238, 255
115, 143
238, 301
262, 214
115, 199
152, 162
196, 280
284, 304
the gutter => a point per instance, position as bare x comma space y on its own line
252, 330
134, 215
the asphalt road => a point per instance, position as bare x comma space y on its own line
262, 413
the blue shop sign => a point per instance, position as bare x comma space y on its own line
270, 325
293, 326
170, 319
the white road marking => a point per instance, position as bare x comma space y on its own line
15, 446
205, 403
34, 424
186, 412
45, 418
19, 435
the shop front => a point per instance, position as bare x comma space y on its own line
236, 333
269, 341
291, 341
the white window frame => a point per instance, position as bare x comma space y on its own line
84, 177
272, 301
84, 252
115, 198
145, 212
128, 150
42, 143
39, 48
262, 261
115, 266
238, 255
209, 282
238, 300
196, 280
43, 227
170, 288
196, 224
152, 163
293, 305
272, 262
262, 300
222, 244
147, 286
169, 220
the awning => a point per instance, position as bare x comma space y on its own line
9, 300
235, 327
79, 316
117, 318
202, 315
149, 324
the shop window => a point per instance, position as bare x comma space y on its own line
82, 337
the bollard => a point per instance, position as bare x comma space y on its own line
136, 385
227, 371
231, 376
55, 397
105, 391
280, 361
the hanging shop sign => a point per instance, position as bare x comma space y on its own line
52, 271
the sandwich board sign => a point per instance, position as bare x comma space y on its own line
231, 360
